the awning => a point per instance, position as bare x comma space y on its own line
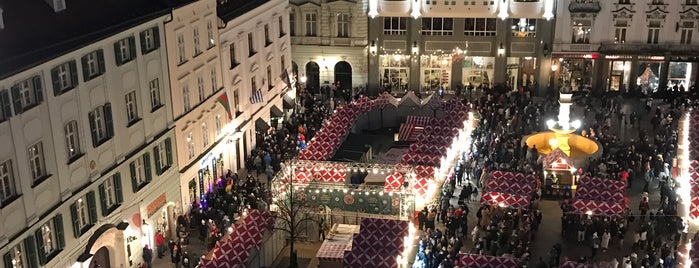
261, 126
289, 103
275, 112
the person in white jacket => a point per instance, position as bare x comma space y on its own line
605, 241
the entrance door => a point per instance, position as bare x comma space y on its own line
100, 259
313, 77
343, 79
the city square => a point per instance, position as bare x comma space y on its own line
368, 133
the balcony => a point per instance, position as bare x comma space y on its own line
394, 7
592, 7
649, 49
526, 9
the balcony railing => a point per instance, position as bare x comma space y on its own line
592, 7
649, 48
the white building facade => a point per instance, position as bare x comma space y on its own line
198, 97
329, 43
622, 45
256, 63
88, 159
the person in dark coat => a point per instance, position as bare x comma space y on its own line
147, 256
176, 253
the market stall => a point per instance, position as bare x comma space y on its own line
380, 243
599, 196
467, 260
339, 240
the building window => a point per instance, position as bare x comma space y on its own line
185, 98
268, 41
281, 26
311, 27
195, 36
36, 162
214, 83
125, 50
251, 45
581, 31
200, 88
181, 51
686, 37
84, 213
64, 76
269, 78
110, 194
72, 140
624, 1
657, 2
7, 182
653, 32
437, 26
343, 25
101, 124
131, 108
524, 27
5, 105
154, 88
50, 239
204, 135
218, 125
292, 24
395, 26
15, 257
93, 66
236, 99
190, 146
27, 94
620, 31
163, 156
150, 40
140, 172
691, 2
283, 64
210, 33
480, 27
234, 59
253, 84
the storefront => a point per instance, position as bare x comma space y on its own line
521, 71
394, 72
478, 71
574, 71
681, 75
648, 73
619, 76
435, 72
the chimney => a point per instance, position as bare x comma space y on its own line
2, 20
57, 5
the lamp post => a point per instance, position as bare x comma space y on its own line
552, 75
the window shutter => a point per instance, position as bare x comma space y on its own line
132, 47
156, 37
74, 218
83, 62
5, 103
56, 82
38, 90
60, 235
100, 60
73, 73
146, 166
7, 260
168, 152
93, 128
30, 248
108, 119
156, 154
117, 53
91, 206
134, 183
103, 200
142, 37
40, 246
117, 188
16, 99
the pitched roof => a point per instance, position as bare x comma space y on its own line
34, 33
232, 9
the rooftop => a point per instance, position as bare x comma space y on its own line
230, 9
34, 33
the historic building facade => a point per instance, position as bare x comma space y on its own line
329, 43
87, 165
425, 46
621, 45
256, 66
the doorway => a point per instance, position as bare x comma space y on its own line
100, 259
343, 79
313, 77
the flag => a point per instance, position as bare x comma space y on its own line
223, 100
285, 78
256, 96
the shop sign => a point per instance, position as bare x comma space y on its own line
157, 203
